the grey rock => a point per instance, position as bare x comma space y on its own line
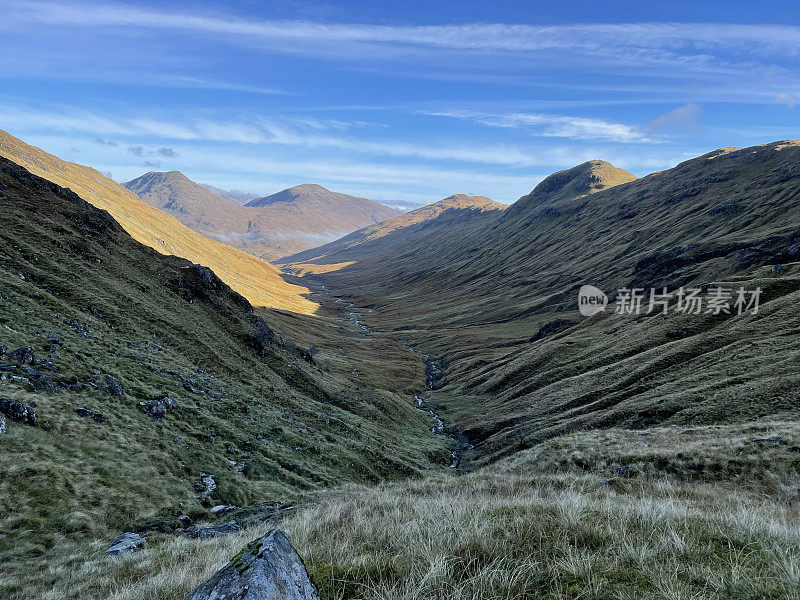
221, 509
125, 544
90, 414
17, 411
45, 384
185, 521
207, 485
2, 349
263, 338
779, 441
154, 409
23, 356
211, 532
266, 569
54, 338
169, 402
3, 426
112, 386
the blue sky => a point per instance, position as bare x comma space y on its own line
404, 103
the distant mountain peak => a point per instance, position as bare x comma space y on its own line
314, 195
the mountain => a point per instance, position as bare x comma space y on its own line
255, 279
444, 214
495, 306
287, 222
565, 186
158, 393
236, 195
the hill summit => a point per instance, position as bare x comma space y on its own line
269, 227
312, 195
565, 186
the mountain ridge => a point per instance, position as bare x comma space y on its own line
457, 206
488, 303
269, 227
255, 279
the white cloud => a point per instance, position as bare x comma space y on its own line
487, 36
260, 131
680, 118
687, 44
547, 125
786, 98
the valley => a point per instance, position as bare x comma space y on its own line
418, 404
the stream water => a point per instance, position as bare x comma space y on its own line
433, 374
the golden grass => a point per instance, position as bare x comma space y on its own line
523, 528
253, 278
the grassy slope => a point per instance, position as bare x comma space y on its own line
255, 279
475, 295
155, 324
702, 513
445, 213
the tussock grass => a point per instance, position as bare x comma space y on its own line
524, 528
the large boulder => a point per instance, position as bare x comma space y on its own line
17, 411
266, 569
125, 544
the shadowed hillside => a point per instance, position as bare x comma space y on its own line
294, 219
495, 306
382, 238
147, 374
255, 279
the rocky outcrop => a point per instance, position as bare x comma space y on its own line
111, 386
221, 509
266, 569
210, 532
23, 356
17, 411
206, 486
125, 544
157, 409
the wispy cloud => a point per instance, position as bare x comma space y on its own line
140, 151
682, 118
787, 99
548, 125
770, 39
688, 47
262, 131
